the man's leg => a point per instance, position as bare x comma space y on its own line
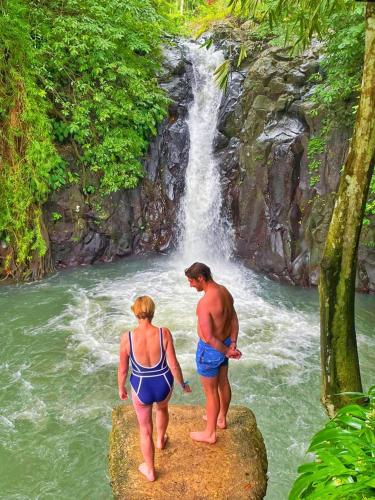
211, 390
225, 395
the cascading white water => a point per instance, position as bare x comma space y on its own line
206, 233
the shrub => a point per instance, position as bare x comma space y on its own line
344, 465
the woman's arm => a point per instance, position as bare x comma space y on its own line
172, 361
123, 367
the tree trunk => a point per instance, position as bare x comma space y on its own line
339, 356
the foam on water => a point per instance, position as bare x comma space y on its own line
270, 335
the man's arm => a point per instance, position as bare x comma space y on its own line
234, 328
233, 352
206, 329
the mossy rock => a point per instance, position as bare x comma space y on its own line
233, 468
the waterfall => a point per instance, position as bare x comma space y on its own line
206, 233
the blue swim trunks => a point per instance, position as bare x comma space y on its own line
209, 360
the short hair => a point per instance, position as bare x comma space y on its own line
143, 307
198, 269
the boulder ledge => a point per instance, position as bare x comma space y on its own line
234, 468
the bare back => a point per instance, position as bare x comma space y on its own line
146, 345
218, 303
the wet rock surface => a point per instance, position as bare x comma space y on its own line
87, 228
280, 216
234, 468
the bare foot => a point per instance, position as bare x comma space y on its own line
143, 469
221, 423
160, 444
203, 437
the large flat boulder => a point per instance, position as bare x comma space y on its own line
233, 468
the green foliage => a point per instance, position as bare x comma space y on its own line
315, 148
370, 205
101, 81
28, 155
342, 63
56, 216
81, 74
89, 189
344, 465
205, 15
178, 13
221, 74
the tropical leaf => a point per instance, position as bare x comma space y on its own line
221, 75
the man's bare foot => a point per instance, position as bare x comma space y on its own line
203, 437
221, 423
160, 443
143, 469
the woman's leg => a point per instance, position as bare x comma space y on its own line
144, 416
162, 419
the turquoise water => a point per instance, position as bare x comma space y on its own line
59, 343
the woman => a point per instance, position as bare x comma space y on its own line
154, 366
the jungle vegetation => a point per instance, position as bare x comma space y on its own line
79, 81
77, 76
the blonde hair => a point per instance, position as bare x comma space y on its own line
143, 307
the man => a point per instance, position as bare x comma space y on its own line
217, 331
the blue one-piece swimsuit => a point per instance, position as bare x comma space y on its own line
151, 384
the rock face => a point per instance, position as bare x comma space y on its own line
86, 228
235, 467
280, 212
168, 158
279, 205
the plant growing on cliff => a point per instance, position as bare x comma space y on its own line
82, 75
344, 465
101, 81
28, 157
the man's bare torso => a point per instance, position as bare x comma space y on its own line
218, 303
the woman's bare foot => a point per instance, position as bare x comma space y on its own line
149, 474
160, 443
221, 422
203, 437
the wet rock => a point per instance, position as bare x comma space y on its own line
239, 448
280, 220
296, 77
87, 229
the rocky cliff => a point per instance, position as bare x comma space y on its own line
280, 205
88, 227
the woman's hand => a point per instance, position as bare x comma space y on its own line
123, 393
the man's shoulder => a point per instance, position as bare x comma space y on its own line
225, 291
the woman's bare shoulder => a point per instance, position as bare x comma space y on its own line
167, 335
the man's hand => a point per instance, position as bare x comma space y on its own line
123, 393
233, 352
